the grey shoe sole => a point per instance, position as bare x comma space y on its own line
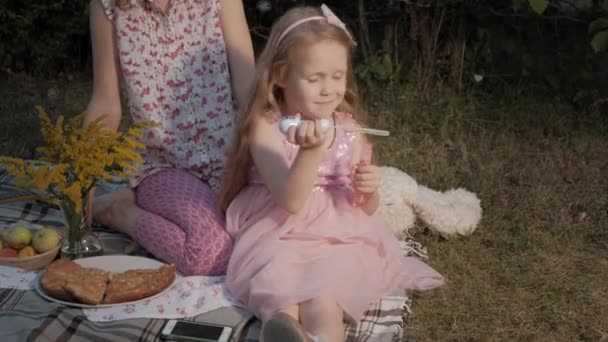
283, 328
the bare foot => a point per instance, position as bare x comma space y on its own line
116, 210
132, 248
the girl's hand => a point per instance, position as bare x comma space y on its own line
367, 179
308, 134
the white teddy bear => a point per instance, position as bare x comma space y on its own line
402, 200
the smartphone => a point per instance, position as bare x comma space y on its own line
180, 330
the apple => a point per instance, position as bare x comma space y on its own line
8, 253
19, 237
26, 251
45, 239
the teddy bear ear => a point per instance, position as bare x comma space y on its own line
455, 211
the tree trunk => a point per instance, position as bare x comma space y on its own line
366, 47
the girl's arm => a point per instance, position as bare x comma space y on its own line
290, 187
238, 48
367, 177
372, 203
105, 98
106, 88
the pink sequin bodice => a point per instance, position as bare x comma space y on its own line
338, 161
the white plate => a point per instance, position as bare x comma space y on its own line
110, 263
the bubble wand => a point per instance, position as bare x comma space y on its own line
289, 121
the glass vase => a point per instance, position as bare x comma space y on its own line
79, 240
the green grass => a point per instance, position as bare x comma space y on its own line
536, 269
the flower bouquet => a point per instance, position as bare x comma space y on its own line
74, 159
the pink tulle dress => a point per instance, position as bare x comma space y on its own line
330, 248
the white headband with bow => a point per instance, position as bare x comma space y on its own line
327, 15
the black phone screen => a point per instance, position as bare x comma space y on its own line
192, 329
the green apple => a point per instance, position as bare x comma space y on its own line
19, 237
45, 239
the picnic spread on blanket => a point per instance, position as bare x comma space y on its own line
30, 314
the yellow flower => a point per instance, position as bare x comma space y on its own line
74, 194
77, 158
40, 176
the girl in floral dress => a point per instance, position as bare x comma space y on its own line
176, 61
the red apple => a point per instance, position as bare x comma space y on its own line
8, 253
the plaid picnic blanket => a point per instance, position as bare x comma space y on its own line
25, 316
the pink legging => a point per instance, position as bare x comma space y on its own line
182, 224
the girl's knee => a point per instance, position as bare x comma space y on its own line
293, 311
321, 309
210, 259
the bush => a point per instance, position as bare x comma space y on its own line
44, 37
436, 46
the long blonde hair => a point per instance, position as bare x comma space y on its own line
265, 95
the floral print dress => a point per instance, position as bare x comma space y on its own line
175, 72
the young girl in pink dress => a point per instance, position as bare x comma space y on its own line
307, 255
177, 61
